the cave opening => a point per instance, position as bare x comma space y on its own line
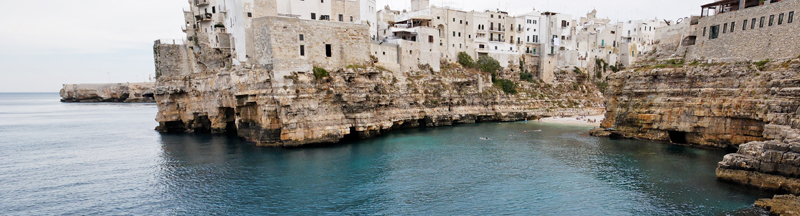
149, 96
230, 120
678, 137
353, 136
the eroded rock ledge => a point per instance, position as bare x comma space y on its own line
717, 105
111, 92
359, 101
198, 91
752, 107
786, 205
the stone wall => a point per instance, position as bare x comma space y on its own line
779, 41
111, 92
278, 44
387, 55
172, 59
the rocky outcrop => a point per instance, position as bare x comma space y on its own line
114, 92
772, 165
718, 105
750, 106
357, 101
784, 205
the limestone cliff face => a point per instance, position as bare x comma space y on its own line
749, 106
711, 105
116, 92
359, 101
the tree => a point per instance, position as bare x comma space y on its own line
465, 60
489, 65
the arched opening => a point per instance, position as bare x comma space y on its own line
678, 137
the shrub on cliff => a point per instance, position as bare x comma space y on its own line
320, 73
489, 65
602, 85
507, 86
465, 60
762, 64
526, 76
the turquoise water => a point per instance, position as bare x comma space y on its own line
105, 159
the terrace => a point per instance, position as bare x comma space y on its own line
727, 6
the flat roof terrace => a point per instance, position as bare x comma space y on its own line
726, 6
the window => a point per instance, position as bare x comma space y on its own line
564, 23
313, 16
791, 16
529, 39
430, 38
714, 32
466, 23
780, 19
351, 18
249, 14
213, 9
733, 25
459, 34
328, 51
771, 19
322, 1
302, 50
454, 34
753, 23
341, 18
725, 28
744, 25
761, 24
454, 19
302, 37
461, 22
438, 17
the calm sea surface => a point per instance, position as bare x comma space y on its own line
106, 159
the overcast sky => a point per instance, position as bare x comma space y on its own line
46, 43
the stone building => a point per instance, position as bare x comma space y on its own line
746, 30
226, 24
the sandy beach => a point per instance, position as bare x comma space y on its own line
574, 121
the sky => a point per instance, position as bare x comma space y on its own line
47, 43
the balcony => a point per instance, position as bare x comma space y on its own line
205, 17
201, 3
497, 30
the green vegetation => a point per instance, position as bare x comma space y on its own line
602, 85
508, 86
489, 65
577, 70
465, 60
355, 67
527, 77
762, 64
617, 68
320, 73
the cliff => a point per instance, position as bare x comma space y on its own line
716, 105
114, 92
745, 105
309, 107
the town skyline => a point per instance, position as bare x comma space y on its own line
117, 48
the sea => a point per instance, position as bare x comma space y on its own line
107, 159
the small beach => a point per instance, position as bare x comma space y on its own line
576, 121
